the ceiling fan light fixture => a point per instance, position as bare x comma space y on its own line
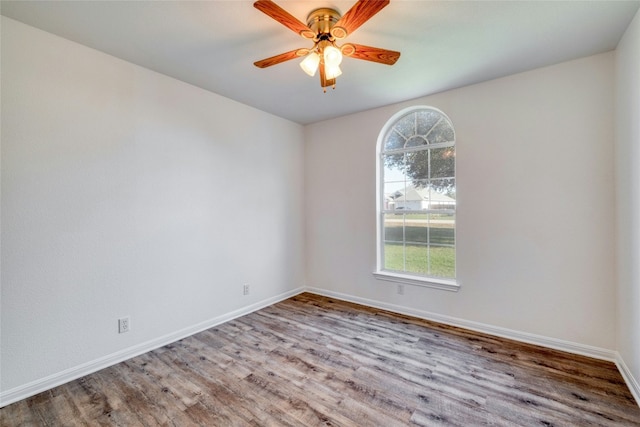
332, 56
310, 63
332, 71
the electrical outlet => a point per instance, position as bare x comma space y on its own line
124, 325
245, 289
400, 289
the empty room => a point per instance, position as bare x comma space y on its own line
313, 213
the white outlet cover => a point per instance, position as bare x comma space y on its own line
124, 325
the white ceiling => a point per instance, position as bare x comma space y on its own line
444, 45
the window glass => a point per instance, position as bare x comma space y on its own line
418, 195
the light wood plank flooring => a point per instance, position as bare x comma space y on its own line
315, 361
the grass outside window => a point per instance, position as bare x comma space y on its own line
420, 247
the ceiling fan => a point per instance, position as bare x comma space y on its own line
324, 27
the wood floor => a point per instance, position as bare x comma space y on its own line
314, 361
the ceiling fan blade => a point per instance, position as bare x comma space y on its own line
285, 18
359, 13
368, 53
293, 54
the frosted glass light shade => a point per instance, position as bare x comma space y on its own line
310, 63
332, 56
332, 71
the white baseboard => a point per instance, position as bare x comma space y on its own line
568, 346
571, 347
633, 385
47, 383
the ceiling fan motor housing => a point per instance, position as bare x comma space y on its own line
322, 21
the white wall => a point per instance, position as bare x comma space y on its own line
539, 258
628, 197
125, 192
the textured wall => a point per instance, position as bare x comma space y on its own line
126, 192
536, 204
628, 195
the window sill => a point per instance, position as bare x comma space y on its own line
428, 282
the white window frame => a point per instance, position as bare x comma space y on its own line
395, 276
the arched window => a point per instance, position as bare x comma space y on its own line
417, 199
